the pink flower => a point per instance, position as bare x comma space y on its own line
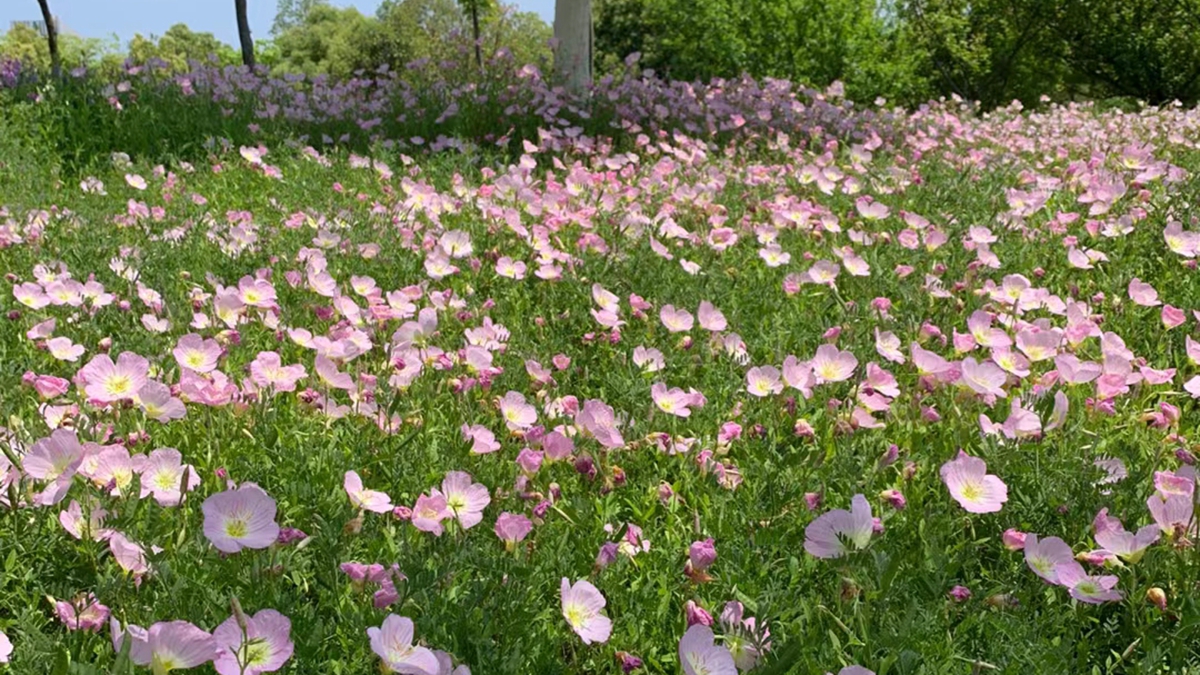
833, 365
1014, 539
163, 476
465, 500
799, 375
711, 318
1143, 293
483, 441
1093, 590
512, 269
870, 209
763, 381
744, 637
582, 606
650, 360
256, 292
108, 382
699, 655
63, 349
113, 468
1181, 242
1172, 317
696, 615
363, 499
47, 386
822, 272
129, 556
267, 370
829, 534
702, 554
73, 521
557, 446
195, 353
58, 455
599, 421
1044, 556
329, 374
984, 378
214, 389
429, 512
929, 363
31, 295
264, 647
1192, 386
393, 642
676, 320
139, 638
1110, 533
518, 414
512, 528
971, 486
6, 648
672, 401
1039, 345
178, 645
156, 401
239, 518
1167, 483
1074, 371
1173, 513
84, 613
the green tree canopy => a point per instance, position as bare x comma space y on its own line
180, 45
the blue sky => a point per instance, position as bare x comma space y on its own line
104, 18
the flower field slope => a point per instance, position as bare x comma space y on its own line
921, 401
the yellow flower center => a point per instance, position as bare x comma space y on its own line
118, 385
165, 480
972, 492
236, 528
576, 615
256, 652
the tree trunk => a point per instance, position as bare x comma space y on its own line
244, 33
573, 31
51, 37
475, 25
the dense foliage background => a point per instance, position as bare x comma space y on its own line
907, 51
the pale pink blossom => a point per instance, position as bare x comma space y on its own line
362, 498
971, 486
583, 608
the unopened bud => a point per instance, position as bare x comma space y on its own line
1157, 597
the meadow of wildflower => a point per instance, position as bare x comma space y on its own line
741, 378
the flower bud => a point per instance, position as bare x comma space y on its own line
696, 615
1014, 540
1157, 597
